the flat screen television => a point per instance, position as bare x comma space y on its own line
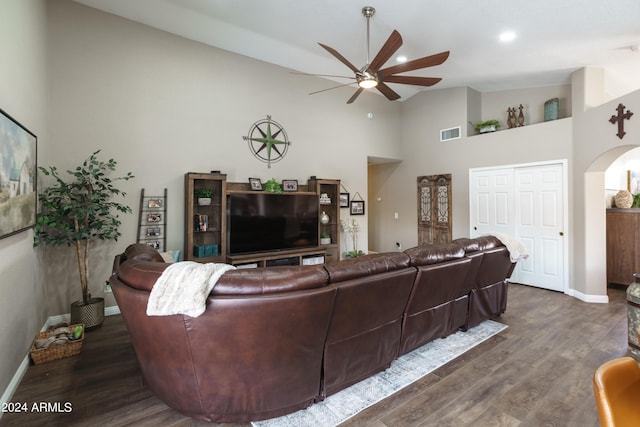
258, 222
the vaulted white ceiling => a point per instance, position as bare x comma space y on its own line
553, 38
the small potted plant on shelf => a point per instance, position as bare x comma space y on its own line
272, 186
325, 239
204, 196
76, 212
487, 126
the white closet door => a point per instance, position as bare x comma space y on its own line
527, 202
540, 225
492, 202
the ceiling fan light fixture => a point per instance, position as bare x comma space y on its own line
367, 82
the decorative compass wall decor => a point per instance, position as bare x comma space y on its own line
268, 141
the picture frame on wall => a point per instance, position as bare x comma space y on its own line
357, 207
344, 200
154, 203
18, 201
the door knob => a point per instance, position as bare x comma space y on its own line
562, 233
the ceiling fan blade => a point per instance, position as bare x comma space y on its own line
340, 58
387, 91
416, 64
411, 80
331, 88
390, 47
355, 95
320, 75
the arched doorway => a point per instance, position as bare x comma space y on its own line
593, 247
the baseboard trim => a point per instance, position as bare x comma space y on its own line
598, 299
24, 365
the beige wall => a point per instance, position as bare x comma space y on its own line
162, 105
23, 96
596, 147
422, 118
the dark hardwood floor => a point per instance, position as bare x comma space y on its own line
537, 372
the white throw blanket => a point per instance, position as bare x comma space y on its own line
183, 288
517, 250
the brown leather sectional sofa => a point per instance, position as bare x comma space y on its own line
276, 340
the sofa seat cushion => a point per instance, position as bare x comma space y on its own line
367, 265
434, 254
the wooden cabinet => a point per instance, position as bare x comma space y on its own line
329, 206
623, 245
205, 224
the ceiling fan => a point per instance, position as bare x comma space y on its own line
371, 75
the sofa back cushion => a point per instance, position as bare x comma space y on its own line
142, 252
367, 265
434, 254
271, 280
142, 275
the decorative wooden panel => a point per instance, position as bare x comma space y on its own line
434, 209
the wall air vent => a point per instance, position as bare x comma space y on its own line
449, 134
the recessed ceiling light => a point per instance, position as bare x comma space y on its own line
401, 59
507, 36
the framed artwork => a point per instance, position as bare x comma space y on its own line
633, 181
344, 200
255, 184
153, 231
154, 203
357, 207
154, 217
18, 165
290, 185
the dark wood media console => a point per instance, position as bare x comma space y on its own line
208, 242
303, 256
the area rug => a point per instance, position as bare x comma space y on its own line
405, 370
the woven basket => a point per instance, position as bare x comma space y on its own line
43, 355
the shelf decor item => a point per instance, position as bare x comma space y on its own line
204, 196
325, 199
551, 109
17, 177
272, 186
487, 126
76, 212
255, 184
325, 239
290, 185
623, 199
324, 218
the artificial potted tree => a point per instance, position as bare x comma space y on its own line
76, 212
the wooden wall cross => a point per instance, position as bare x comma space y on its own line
620, 119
